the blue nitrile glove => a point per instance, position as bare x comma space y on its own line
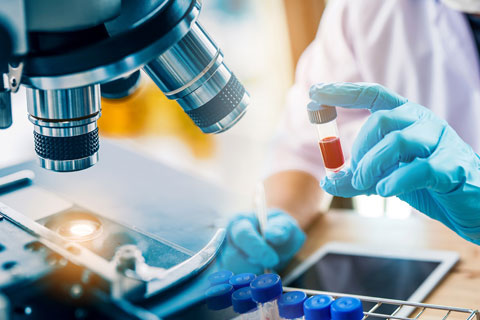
247, 251
405, 150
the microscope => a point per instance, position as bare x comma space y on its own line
63, 52
128, 238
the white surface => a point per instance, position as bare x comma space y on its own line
35, 202
16, 142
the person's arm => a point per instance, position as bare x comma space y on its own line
295, 192
295, 163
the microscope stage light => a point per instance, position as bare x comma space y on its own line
79, 229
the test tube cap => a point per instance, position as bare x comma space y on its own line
321, 113
220, 277
242, 300
290, 304
242, 280
266, 287
318, 307
347, 308
219, 297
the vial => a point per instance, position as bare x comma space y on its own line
242, 280
290, 305
266, 289
318, 307
346, 308
219, 297
324, 118
244, 305
220, 277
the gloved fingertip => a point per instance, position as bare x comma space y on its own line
341, 186
272, 261
314, 89
356, 183
382, 189
358, 180
277, 235
275, 212
388, 187
327, 185
266, 257
300, 238
323, 182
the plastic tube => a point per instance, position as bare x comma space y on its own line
324, 119
242, 280
244, 305
220, 277
266, 289
290, 305
347, 308
318, 307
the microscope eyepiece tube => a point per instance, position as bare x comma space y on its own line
65, 126
193, 72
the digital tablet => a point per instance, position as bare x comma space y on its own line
368, 271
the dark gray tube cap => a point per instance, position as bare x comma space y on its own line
320, 113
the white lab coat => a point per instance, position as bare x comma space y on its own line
419, 48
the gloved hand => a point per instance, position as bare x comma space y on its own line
247, 251
405, 150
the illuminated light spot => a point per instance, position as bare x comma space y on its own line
82, 229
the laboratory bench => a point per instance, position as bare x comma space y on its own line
461, 286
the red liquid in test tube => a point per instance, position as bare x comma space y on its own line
332, 153
324, 119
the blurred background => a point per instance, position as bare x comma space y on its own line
262, 42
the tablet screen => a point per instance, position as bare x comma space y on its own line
390, 278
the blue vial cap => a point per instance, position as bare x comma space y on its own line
219, 297
290, 305
220, 277
242, 280
347, 308
242, 300
318, 307
266, 287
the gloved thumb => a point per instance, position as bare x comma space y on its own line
341, 185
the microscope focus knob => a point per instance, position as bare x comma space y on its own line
70, 152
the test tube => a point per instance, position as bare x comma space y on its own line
219, 297
220, 277
346, 308
318, 307
243, 303
266, 289
290, 305
242, 280
324, 118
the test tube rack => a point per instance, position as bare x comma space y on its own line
418, 310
